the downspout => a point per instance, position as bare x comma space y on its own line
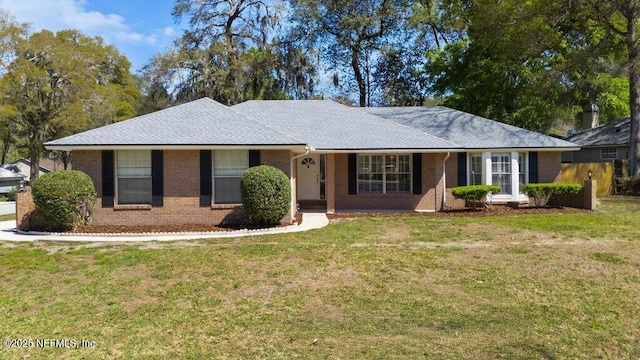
444, 181
294, 205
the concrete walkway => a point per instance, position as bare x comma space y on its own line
310, 221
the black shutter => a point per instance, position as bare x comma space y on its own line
157, 182
353, 173
206, 181
462, 169
108, 178
254, 158
533, 167
417, 173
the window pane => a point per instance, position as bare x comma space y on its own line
370, 173
230, 162
133, 172
501, 171
134, 163
522, 166
227, 190
134, 190
228, 166
476, 169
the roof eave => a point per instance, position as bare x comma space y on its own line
542, 149
292, 147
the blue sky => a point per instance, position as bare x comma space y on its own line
138, 28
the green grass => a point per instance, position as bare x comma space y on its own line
513, 287
7, 217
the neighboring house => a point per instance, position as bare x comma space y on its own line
344, 157
24, 166
603, 143
10, 178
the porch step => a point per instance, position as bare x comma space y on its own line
312, 204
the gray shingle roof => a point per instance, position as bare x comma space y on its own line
200, 122
6, 174
614, 133
471, 131
327, 125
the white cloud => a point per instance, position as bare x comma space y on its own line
169, 31
71, 14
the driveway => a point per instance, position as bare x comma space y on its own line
7, 207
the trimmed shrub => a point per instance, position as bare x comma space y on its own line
64, 199
474, 194
542, 192
11, 195
266, 195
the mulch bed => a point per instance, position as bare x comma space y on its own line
488, 211
185, 228
198, 228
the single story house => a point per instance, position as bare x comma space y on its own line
604, 143
10, 178
183, 164
24, 165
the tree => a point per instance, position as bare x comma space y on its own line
398, 78
348, 33
63, 83
619, 23
230, 53
527, 63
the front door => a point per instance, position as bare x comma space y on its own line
309, 177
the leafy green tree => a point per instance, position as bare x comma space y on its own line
617, 23
349, 34
62, 83
527, 63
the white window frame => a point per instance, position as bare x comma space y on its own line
143, 172
383, 173
487, 173
474, 170
235, 173
609, 153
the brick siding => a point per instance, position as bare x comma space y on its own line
181, 202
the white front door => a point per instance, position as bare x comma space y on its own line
309, 177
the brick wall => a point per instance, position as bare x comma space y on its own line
549, 166
427, 201
181, 202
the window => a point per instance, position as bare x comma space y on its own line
133, 172
522, 168
384, 173
609, 154
370, 174
228, 166
476, 169
501, 171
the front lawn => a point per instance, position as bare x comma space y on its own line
545, 286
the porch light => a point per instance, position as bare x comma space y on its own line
21, 185
589, 174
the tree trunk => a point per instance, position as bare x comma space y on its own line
34, 157
355, 65
634, 95
5, 150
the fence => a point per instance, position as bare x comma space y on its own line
601, 172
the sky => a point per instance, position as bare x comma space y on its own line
138, 28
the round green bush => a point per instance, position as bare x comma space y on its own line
64, 199
266, 194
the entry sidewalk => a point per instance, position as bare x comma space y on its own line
310, 220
